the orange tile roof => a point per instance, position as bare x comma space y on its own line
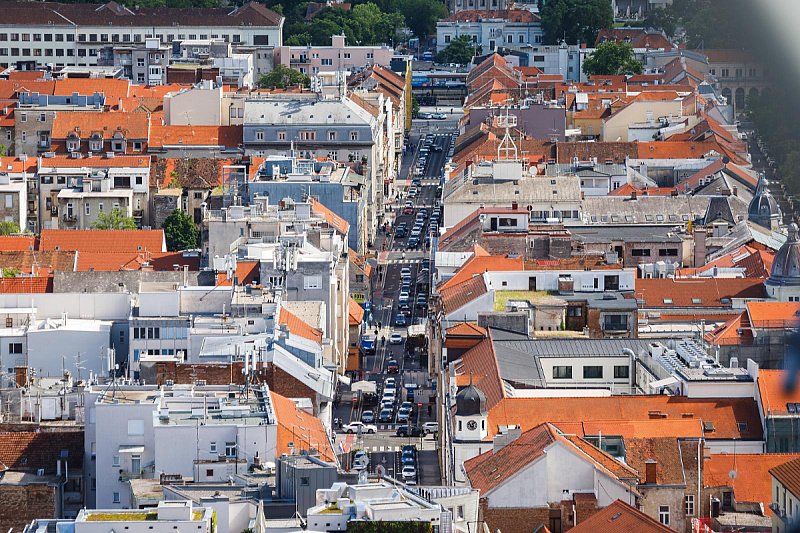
246, 273
355, 311
776, 314
615, 467
726, 333
510, 15
305, 431
151, 240
618, 517
480, 264
32, 450
724, 413
17, 166
188, 173
788, 474
26, 285
772, 389
710, 291
227, 136
466, 329
10, 89
454, 297
298, 327
751, 485
685, 150
111, 88
334, 220
480, 362
636, 429
18, 75
156, 91
37, 262
756, 263
87, 123
664, 450
18, 243
119, 161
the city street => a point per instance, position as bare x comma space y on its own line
394, 253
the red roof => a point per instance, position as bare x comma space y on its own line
355, 311
151, 240
17, 166
479, 365
111, 88
334, 220
119, 261
296, 426
511, 15
772, 387
466, 329
227, 136
788, 474
32, 450
298, 327
118, 161
697, 292
246, 273
619, 517
480, 264
17, 243
454, 297
107, 124
26, 285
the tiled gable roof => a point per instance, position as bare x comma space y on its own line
334, 220
466, 329
355, 311
296, 426
32, 450
88, 123
480, 363
112, 89
194, 173
15, 165
509, 15
223, 136
454, 297
618, 517
298, 327
17, 243
663, 450
246, 273
25, 285
751, 484
151, 240
774, 396
480, 264
118, 161
788, 474
42, 261
685, 292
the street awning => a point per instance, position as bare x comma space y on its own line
131, 449
664, 382
364, 386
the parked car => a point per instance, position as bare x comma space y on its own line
409, 431
368, 417
430, 427
400, 320
353, 427
422, 301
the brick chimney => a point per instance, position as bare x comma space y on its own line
633, 195
650, 472
514, 205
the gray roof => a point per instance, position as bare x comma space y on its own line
607, 234
531, 190
306, 112
599, 170
602, 300
648, 209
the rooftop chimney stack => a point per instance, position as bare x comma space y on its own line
650, 472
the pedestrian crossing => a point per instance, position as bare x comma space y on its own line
388, 427
385, 449
401, 262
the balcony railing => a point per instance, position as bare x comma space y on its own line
70, 219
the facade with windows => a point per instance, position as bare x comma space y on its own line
312, 60
490, 29
75, 34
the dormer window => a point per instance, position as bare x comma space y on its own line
118, 143
73, 143
96, 143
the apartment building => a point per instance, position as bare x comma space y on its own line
489, 29
74, 34
338, 56
17, 176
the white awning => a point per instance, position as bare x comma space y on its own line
672, 380
364, 386
344, 379
131, 449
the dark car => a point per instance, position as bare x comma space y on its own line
426, 263
392, 367
422, 301
400, 320
400, 231
409, 431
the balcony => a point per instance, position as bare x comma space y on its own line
70, 219
302, 60
125, 476
138, 213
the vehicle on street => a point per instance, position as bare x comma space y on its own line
422, 301
390, 383
409, 448
353, 427
409, 431
368, 345
409, 472
386, 415
400, 320
405, 271
409, 208
407, 460
387, 403
413, 242
392, 367
396, 338
389, 394
400, 231
368, 417
430, 427
423, 115
426, 263
409, 405
412, 192
360, 460
439, 116
403, 414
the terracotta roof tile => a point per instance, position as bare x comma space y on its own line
480, 264
456, 296
17, 243
774, 396
334, 220
298, 327
134, 126
724, 413
26, 285
466, 329
44, 262
509, 15
615, 467
684, 292
684, 150
246, 273
188, 173
10, 89
103, 240
773, 314
32, 450
636, 429
481, 363
120, 261
17, 166
355, 311
788, 474
752, 485
118, 161
664, 450
297, 426
225, 136
617, 517
111, 88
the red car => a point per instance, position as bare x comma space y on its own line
392, 367
409, 209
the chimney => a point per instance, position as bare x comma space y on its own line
502, 440
514, 205
21, 376
735, 190
650, 472
633, 195
583, 195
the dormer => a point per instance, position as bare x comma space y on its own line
118, 143
96, 142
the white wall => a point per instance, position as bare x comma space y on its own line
98, 306
710, 389
547, 280
469, 312
730, 446
577, 364
47, 346
159, 304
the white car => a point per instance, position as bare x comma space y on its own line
396, 338
430, 427
360, 460
409, 472
353, 427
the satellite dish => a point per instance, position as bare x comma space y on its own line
726, 160
733, 474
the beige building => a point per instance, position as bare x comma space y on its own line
616, 127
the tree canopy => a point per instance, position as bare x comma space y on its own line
281, 77
575, 20
662, 18
114, 219
421, 15
180, 232
612, 59
8, 227
461, 50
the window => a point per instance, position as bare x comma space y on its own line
281, 135
88, 209
663, 514
115, 461
312, 282
230, 449
562, 372
640, 252
668, 252
9, 201
308, 135
24, 136
135, 427
331, 135
212, 447
724, 72
742, 426
689, 504
347, 55
615, 323
621, 371
574, 311
353, 135
116, 497
460, 514
303, 481
15, 348
9, 322
23, 117
326, 62
592, 372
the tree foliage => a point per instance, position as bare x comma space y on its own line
281, 77
461, 50
8, 227
575, 20
421, 16
114, 219
180, 232
776, 124
662, 18
612, 59
414, 107
364, 24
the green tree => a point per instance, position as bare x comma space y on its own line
180, 232
114, 219
414, 107
461, 50
421, 16
575, 20
298, 39
612, 59
662, 18
281, 77
790, 172
8, 227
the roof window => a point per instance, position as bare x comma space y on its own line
668, 301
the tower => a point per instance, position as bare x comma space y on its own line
783, 283
763, 209
471, 414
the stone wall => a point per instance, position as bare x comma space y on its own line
20, 504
